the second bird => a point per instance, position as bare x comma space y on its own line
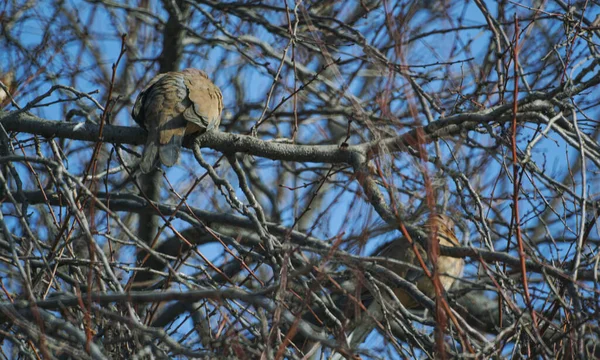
173, 105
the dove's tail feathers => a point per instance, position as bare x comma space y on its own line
169, 152
149, 157
171, 138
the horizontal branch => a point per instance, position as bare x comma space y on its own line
85, 131
237, 143
137, 204
220, 141
136, 297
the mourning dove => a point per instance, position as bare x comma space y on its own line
449, 268
400, 249
173, 105
7, 79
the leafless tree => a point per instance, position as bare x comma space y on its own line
346, 124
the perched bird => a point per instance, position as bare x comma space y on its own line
8, 79
173, 105
449, 268
400, 249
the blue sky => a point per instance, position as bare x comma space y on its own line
222, 65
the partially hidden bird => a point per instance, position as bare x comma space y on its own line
449, 269
8, 79
173, 105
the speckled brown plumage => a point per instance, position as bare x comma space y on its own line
173, 105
